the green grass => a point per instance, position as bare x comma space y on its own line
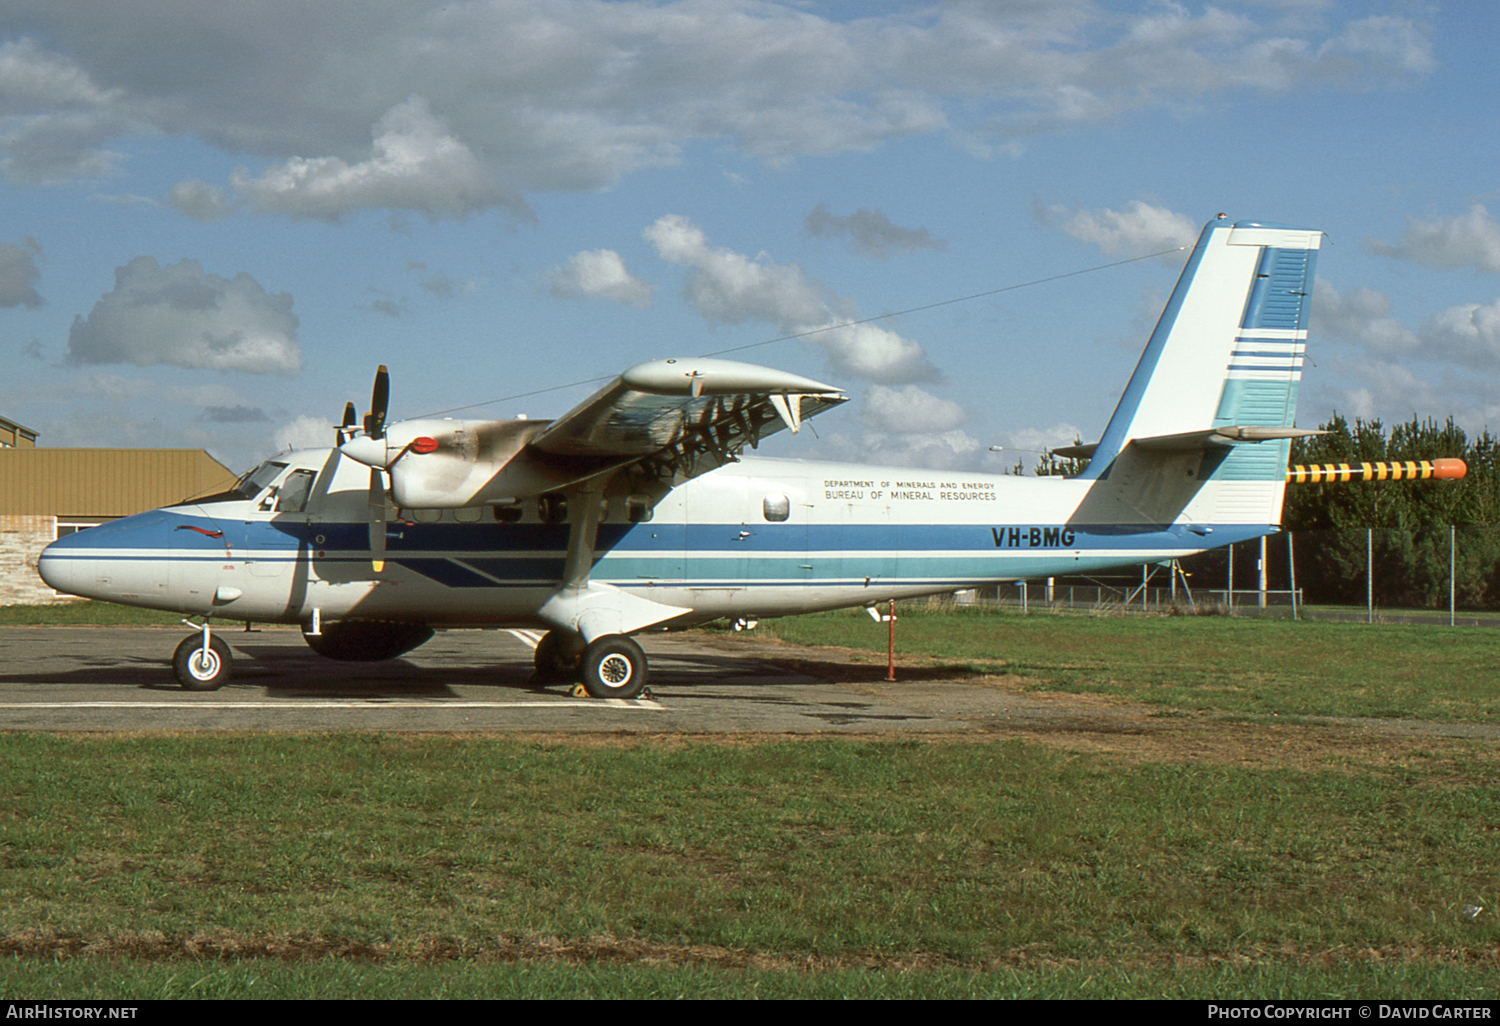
1234, 665
349, 864
83, 613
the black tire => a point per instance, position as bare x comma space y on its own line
614, 667
558, 658
200, 670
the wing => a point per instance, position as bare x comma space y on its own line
678, 410
675, 419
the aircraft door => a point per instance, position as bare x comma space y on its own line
776, 547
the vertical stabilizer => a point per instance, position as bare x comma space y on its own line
1228, 349
1202, 434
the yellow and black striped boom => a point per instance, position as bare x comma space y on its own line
1411, 470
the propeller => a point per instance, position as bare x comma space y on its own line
380, 397
370, 450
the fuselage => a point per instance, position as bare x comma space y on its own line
757, 538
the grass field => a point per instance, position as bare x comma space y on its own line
357, 865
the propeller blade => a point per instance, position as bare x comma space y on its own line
380, 397
377, 521
350, 421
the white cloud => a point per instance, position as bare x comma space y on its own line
1362, 316
732, 288
181, 316
1139, 229
1471, 239
303, 433
416, 164
201, 201
1382, 44
56, 116
911, 410
575, 94
598, 274
1468, 333
19, 274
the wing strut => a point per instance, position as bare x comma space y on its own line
595, 610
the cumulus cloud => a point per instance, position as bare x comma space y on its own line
57, 118
1468, 333
1138, 229
201, 201
476, 103
18, 273
869, 232
732, 288
181, 316
1362, 316
1366, 362
303, 433
1471, 239
416, 164
911, 410
598, 274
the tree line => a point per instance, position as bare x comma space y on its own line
1401, 527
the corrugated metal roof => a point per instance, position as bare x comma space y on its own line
105, 482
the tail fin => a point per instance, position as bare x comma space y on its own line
1219, 375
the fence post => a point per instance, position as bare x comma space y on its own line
1452, 571
1291, 566
1229, 594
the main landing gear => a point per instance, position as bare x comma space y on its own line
612, 666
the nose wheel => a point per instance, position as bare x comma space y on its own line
202, 662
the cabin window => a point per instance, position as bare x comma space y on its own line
468, 514
426, 516
509, 512
776, 507
638, 508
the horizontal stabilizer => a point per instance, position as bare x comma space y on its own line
1228, 435
1188, 441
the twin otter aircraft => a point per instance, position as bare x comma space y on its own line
634, 511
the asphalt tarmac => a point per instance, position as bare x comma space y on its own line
120, 679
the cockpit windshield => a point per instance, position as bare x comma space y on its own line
249, 486
253, 483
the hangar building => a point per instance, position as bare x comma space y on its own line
46, 493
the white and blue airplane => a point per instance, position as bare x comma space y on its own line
635, 511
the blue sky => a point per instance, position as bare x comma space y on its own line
220, 217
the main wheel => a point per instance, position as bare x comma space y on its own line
614, 667
202, 669
558, 657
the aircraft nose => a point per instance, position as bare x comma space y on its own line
64, 564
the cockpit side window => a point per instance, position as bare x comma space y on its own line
291, 496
